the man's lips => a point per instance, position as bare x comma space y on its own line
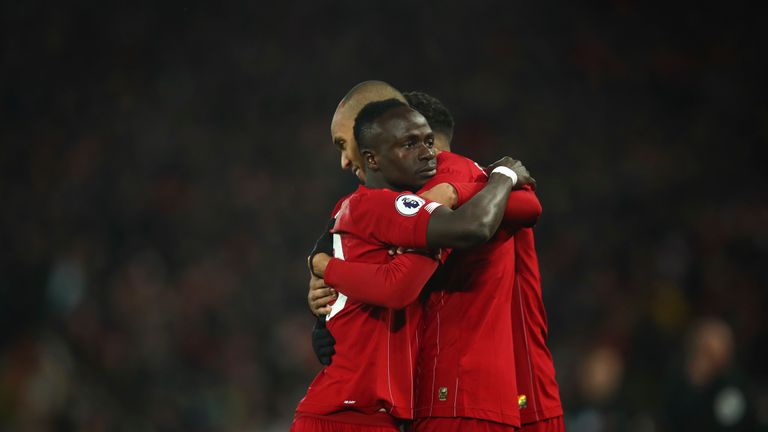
429, 169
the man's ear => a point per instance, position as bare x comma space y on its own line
370, 160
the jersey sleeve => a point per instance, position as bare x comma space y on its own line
391, 218
523, 207
393, 285
452, 167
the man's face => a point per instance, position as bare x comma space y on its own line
405, 158
344, 139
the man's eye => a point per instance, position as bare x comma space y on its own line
430, 142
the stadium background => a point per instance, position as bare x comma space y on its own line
166, 167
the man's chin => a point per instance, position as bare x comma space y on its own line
421, 181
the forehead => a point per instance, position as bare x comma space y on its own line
402, 121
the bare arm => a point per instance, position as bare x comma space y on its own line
476, 221
522, 210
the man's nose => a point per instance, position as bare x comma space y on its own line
345, 162
426, 152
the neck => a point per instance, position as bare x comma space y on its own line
378, 181
375, 181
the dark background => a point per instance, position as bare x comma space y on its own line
165, 169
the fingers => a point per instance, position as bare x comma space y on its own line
316, 283
320, 298
506, 161
322, 293
320, 306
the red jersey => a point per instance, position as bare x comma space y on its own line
467, 361
539, 396
376, 347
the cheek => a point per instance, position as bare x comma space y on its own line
411, 160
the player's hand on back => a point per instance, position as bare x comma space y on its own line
319, 296
523, 176
317, 263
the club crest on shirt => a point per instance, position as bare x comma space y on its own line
442, 394
408, 204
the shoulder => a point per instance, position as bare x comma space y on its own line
384, 202
459, 167
464, 162
450, 158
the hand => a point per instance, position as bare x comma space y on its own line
323, 342
317, 263
319, 296
523, 176
324, 244
443, 193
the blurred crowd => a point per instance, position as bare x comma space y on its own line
164, 170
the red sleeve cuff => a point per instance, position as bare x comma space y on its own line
465, 191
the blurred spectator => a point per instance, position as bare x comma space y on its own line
711, 393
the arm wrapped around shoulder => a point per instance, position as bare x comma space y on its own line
522, 210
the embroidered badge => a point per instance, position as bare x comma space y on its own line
442, 393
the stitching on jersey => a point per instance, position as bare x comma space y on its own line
455, 396
389, 354
434, 366
527, 348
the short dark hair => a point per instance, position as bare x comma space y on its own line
367, 116
437, 115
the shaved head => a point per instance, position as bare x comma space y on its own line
344, 120
366, 92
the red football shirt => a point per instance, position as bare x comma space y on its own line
489, 396
539, 396
372, 370
467, 363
